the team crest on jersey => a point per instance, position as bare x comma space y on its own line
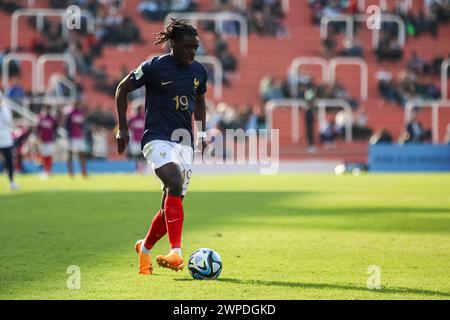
196, 83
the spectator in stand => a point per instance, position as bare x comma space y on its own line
382, 137
15, 90
415, 131
137, 126
388, 49
46, 134
447, 135
352, 49
310, 95
328, 133
271, 88
76, 129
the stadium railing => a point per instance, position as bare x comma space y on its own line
25, 113
20, 57
51, 57
444, 79
65, 15
435, 105
364, 73
296, 104
218, 18
298, 62
349, 30
329, 71
217, 69
55, 91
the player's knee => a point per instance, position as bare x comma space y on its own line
175, 185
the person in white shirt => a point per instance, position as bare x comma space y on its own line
7, 142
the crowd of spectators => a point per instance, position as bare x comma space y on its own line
416, 23
418, 80
277, 88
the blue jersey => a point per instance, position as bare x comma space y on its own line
171, 92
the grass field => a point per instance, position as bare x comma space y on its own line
280, 237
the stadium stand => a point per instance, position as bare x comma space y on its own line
295, 36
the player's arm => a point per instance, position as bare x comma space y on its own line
200, 115
122, 136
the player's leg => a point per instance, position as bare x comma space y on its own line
82, 158
70, 163
171, 177
7, 155
157, 229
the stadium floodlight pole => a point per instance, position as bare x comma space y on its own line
40, 14
43, 59
22, 57
219, 18
364, 73
299, 61
444, 79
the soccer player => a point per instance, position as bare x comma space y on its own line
175, 87
75, 125
7, 142
46, 132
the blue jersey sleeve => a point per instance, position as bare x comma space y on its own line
143, 74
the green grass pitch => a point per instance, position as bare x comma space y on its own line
280, 237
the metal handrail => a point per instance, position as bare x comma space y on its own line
43, 59
349, 19
19, 56
329, 71
435, 105
296, 104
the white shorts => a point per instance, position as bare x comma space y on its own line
77, 145
134, 148
46, 149
161, 152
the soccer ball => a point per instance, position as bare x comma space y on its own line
205, 264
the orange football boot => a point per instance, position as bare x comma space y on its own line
145, 262
172, 261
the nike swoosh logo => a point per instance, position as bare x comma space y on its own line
166, 83
170, 221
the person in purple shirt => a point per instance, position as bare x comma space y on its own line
136, 126
75, 126
46, 133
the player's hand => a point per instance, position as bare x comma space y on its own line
122, 138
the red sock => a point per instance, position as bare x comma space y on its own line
48, 165
157, 231
173, 210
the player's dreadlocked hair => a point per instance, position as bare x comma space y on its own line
174, 31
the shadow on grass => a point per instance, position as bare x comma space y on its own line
304, 285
